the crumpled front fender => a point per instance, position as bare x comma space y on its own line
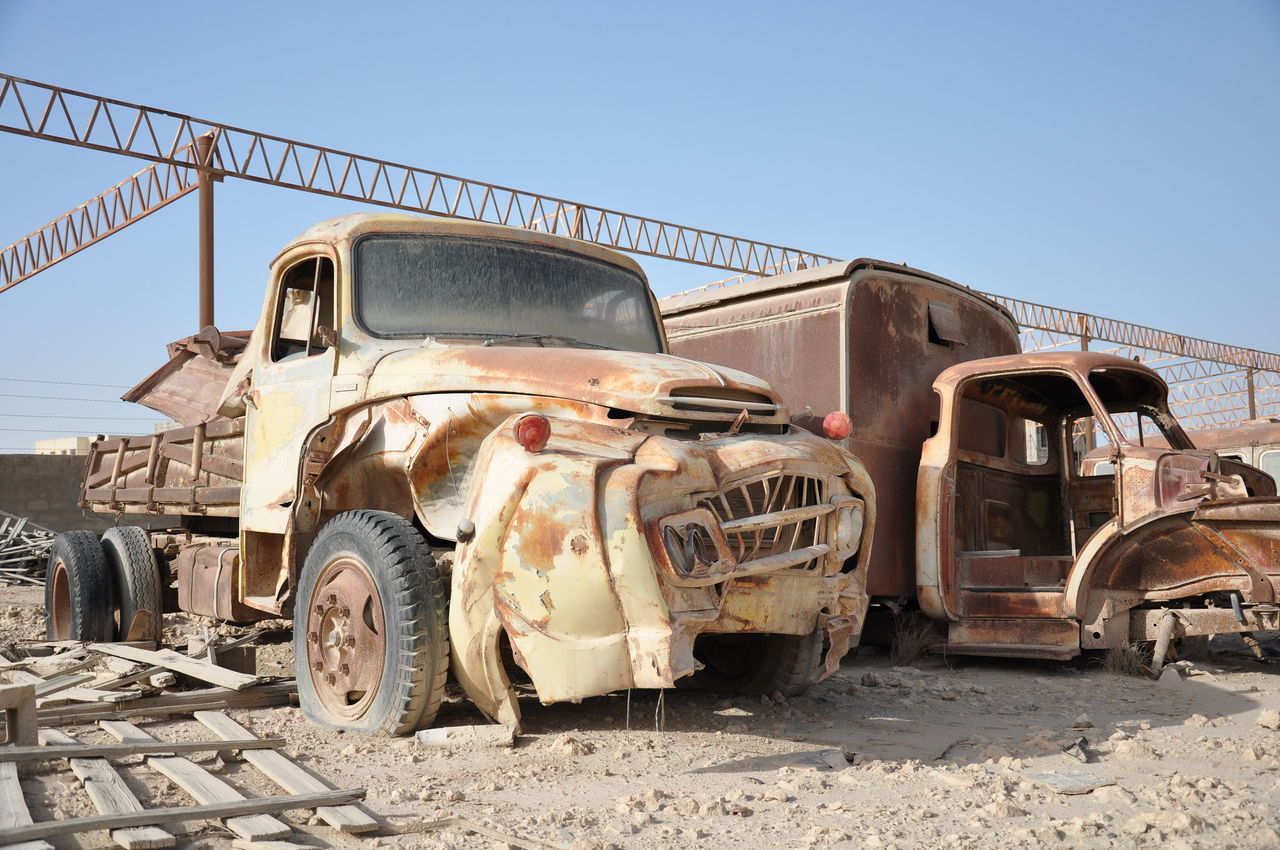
533, 568
568, 560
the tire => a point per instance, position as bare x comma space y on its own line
381, 671
758, 664
137, 580
78, 589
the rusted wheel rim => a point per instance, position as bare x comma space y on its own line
346, 637
59, 602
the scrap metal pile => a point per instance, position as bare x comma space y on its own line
24, 548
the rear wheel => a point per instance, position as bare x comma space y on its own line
758, 664
370, 642
133, 567
78, 589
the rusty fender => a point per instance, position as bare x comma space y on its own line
562, 561
1225, 547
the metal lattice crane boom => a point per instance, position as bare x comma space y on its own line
125, 203
58, 114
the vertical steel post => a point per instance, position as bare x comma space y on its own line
1253, 401
1091, 436
204, 158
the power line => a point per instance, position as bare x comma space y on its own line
64, 398
61, 431
62, 416
67, 383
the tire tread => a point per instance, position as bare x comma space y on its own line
138, 577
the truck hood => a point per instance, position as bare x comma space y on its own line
649, 384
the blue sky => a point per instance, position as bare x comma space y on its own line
1115, 158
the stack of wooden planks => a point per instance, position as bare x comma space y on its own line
24, 548
134, 825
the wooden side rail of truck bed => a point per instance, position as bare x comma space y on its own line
192, 470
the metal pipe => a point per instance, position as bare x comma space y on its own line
1163, 637
204, 156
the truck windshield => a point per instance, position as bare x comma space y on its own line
440, 285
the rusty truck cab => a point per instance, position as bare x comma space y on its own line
1062, 507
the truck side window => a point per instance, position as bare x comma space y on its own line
981, 428
1031, 442
1270, 463
1090, 449
304, 314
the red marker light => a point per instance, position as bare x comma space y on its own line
532, 432
837, 425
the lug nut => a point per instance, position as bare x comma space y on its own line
319, 609
346, 669
314, 637
332, 599
345, 611
317, 666
350, 641
329, 678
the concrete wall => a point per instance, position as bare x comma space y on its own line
45, 489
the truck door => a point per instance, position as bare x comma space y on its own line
290, 391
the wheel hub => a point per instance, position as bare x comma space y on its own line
346, 643
60, 602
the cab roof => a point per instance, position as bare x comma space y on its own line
348, 228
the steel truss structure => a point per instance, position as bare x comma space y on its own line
1212, 384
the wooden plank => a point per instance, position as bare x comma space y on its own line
180, 663
229, 809
129, 678
65, 688
13, 811
269, 694
111, 796
200, 784
288, 775
140, 747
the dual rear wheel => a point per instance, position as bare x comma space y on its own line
103, 591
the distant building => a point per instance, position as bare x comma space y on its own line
69, 445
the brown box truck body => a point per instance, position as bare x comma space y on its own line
864, 337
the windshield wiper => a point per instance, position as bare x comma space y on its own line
541, 340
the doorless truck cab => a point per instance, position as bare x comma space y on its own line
991, 517
455, 438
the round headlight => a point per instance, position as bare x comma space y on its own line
848, 528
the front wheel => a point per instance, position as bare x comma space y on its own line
758, 664
370, 636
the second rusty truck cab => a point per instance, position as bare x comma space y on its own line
1060, 506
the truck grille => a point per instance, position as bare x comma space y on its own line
778, 519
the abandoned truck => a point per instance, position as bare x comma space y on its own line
448, 446
991, 520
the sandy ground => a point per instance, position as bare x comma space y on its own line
944, 753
